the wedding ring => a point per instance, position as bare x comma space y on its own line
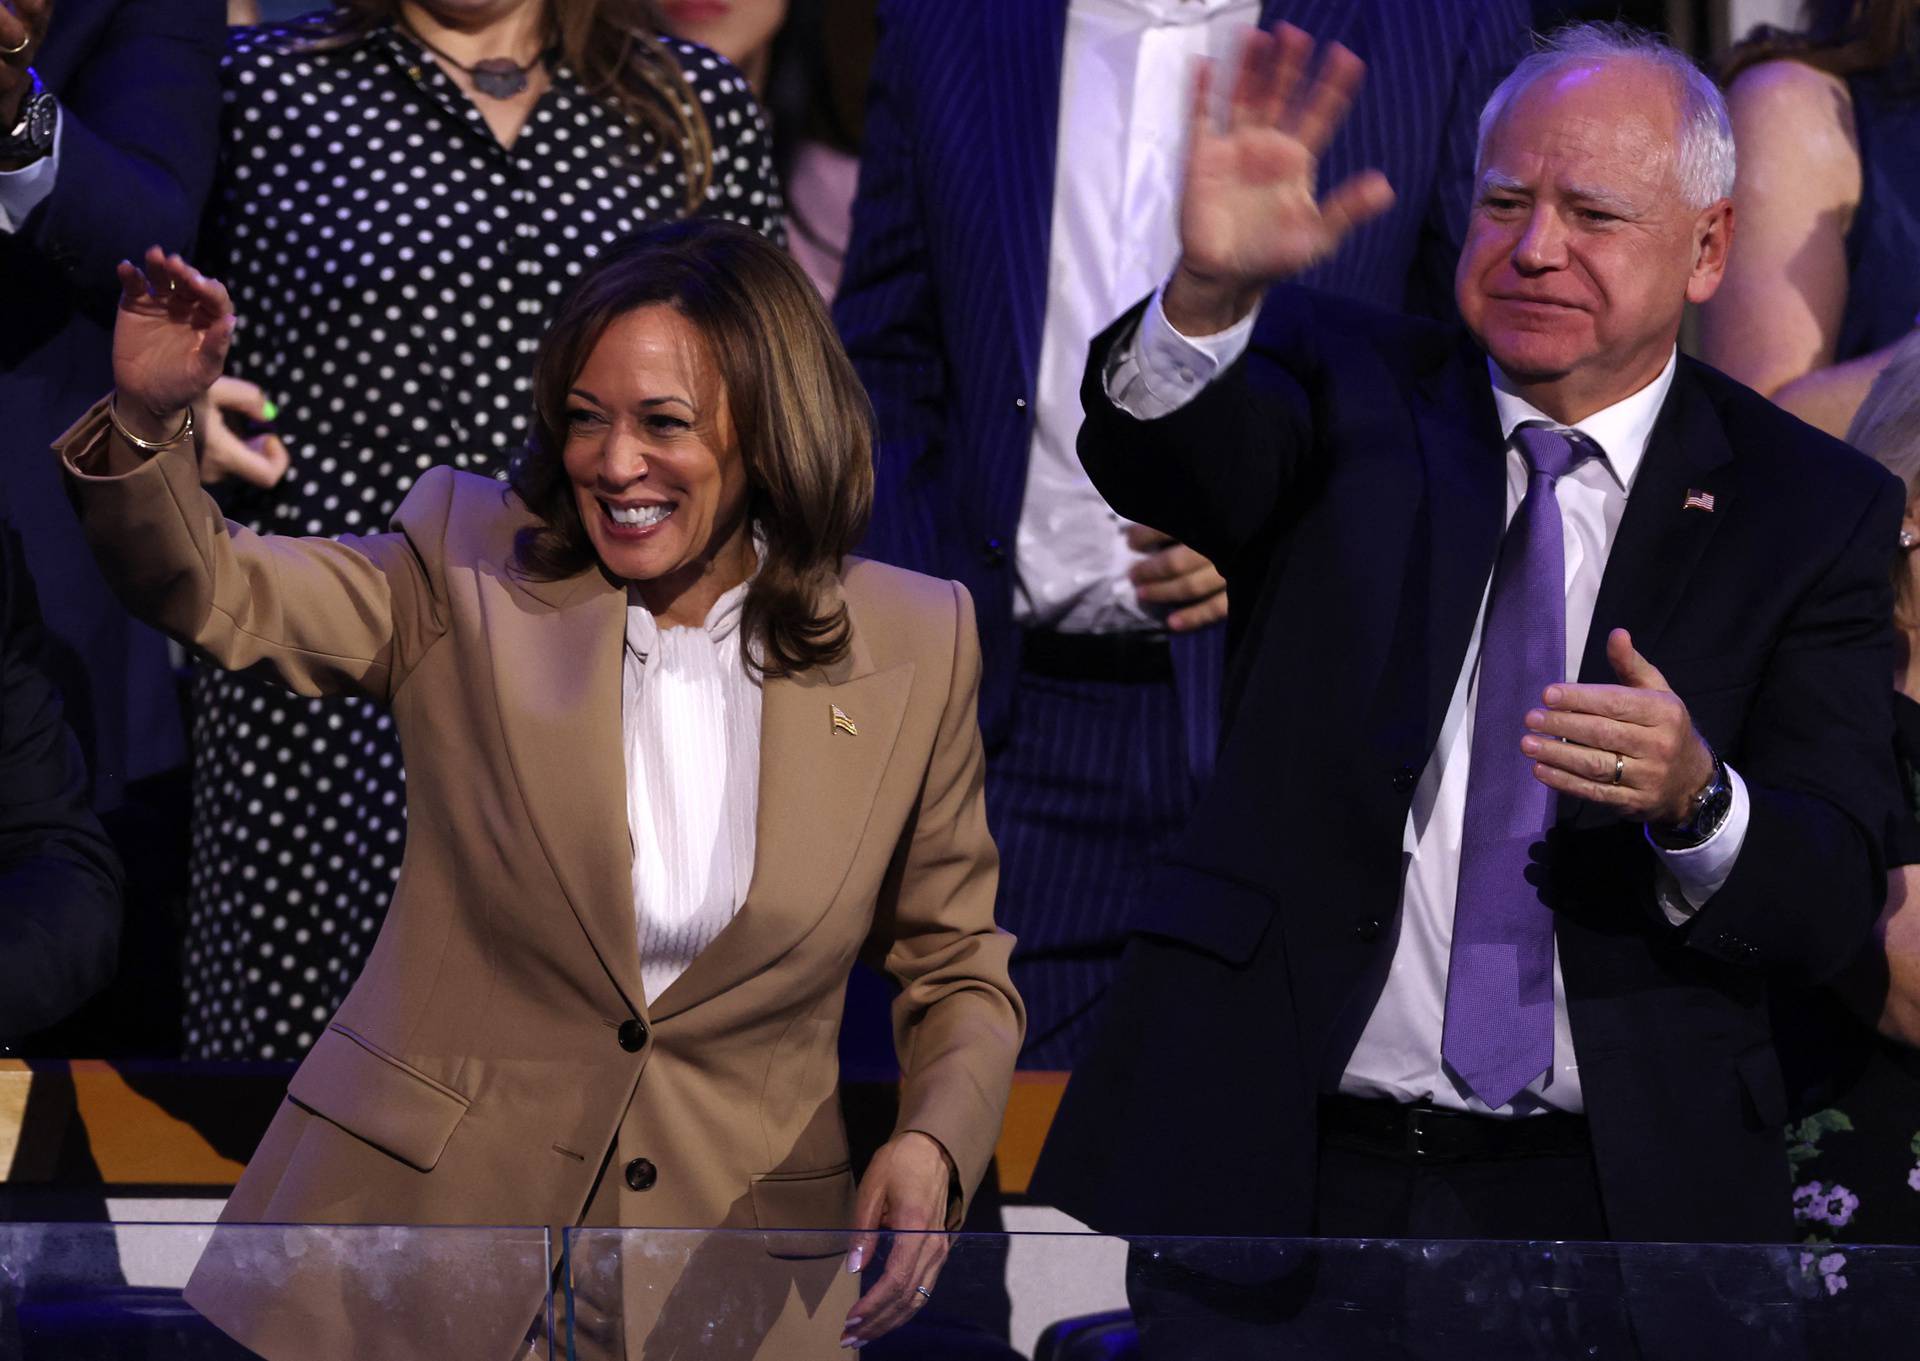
1619, 768
922, 1290
16, 51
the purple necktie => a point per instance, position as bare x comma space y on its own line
1498, 1034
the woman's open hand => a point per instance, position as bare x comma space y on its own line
905, 1190
170, 342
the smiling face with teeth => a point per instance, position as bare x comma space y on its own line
657, 474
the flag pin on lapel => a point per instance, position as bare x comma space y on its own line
841, 723
1698, 500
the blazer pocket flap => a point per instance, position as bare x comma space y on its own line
1223, 917
784, 1202
1712, 674
374, 1096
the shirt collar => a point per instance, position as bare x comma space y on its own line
1167, 11
1621, 431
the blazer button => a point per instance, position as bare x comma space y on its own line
992, 553
633, 1036
1368, 930
1404, 779
641, 1175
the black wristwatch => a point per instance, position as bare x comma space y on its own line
1710, 808
32, 136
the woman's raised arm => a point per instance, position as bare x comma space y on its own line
320, 616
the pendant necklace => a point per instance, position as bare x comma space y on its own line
495, 77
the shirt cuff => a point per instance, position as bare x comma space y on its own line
23, 190
1688, 878
1156, 370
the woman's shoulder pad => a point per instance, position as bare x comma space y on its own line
475, 515
893, 598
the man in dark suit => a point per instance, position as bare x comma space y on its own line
109, 114
1455, 947
1014, 196
109, 125
59, 881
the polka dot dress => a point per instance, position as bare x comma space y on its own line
393, 267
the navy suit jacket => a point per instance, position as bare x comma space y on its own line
59, 880
944, 294
1349, 475
139, 90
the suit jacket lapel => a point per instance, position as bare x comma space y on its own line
1661, 539
818, 783
1022, 43
556, 650
1466, 508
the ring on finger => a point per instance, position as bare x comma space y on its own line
18, 48
924, 1293
1619, 768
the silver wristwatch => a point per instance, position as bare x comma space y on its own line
1710, 808
32, 136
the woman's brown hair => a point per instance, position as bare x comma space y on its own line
612, 45
802, 420
1841, 37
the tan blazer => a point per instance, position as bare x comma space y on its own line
480, 1070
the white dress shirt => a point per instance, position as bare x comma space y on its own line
23, 190
1398, 1053
1125, 72
690, 721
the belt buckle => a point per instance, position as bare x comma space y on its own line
1417, 1129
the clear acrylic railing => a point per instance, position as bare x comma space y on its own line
152, 1292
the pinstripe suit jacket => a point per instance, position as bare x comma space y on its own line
944, 294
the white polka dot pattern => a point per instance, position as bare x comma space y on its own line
393, 267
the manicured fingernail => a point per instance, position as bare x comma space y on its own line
855, 1260
268, 411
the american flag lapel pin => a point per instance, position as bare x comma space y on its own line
841, 723
1698, 500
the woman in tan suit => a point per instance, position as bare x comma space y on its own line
673, 761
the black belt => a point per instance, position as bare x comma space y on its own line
1128, 658
1420, 1132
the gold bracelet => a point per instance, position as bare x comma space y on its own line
147, 446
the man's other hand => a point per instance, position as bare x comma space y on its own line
1639, 729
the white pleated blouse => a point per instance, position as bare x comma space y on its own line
690, 718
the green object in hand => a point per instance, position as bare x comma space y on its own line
268, 411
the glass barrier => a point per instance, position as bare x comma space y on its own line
197, 1292
778, 1296
158, 1292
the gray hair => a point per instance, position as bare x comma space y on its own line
1703, 161
1887, 426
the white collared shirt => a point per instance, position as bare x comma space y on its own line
1398, 1053
690, 727
1125, 72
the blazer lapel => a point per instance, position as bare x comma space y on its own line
818, 782
1023, 43
556, 649
1466, 509
1661, 538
